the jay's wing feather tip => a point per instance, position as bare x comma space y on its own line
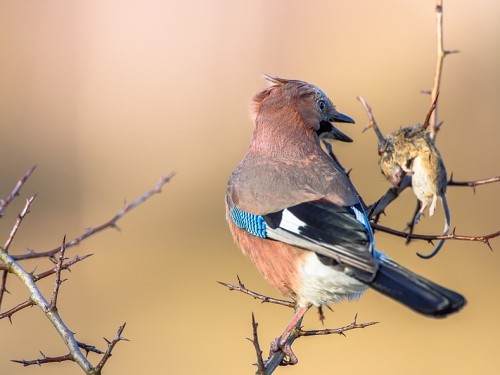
416, 292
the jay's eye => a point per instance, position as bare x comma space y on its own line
321, 105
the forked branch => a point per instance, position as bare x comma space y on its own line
432, 237
278, 358
15, 192
10, 264
372, 123
241, 288
111, 223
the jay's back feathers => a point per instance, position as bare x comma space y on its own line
294, 211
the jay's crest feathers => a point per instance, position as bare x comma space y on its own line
302, 104
294, 211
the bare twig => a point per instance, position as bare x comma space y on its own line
108, 224
441, 54
427, 120
89, 348
378, 208
16, 226
261, 369
431, 237
111, 345
410, 226
3, 205
15, 192
241, 288
62, 358
43, 360
373, 123
337, 331
473, 184
65, 266
12, 311
19, 220
58, 281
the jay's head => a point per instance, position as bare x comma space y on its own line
300, 104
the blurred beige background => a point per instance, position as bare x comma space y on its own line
106, 96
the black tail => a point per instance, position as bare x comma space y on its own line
414, 291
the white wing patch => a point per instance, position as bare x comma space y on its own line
289, 232
290, 222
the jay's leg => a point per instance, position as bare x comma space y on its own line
281, 342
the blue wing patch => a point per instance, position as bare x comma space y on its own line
253, 224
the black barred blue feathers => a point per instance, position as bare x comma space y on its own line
253, 224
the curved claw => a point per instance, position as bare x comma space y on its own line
434, 252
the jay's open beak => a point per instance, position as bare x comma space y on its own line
327, 130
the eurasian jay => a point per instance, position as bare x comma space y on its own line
294, 211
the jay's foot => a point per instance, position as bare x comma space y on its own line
280, 344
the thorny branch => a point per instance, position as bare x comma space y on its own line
43, 360
378, 208
62, 358
19, 220
372, 122
15, 192
12, 311
65, 266
277, 358
58, 281
255, 341
10, 264
3, 205
69, 357
241, 288
111, 344
431, 237
441, 54
111, 223
473, 184
52, 314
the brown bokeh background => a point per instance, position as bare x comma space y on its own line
107, 96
